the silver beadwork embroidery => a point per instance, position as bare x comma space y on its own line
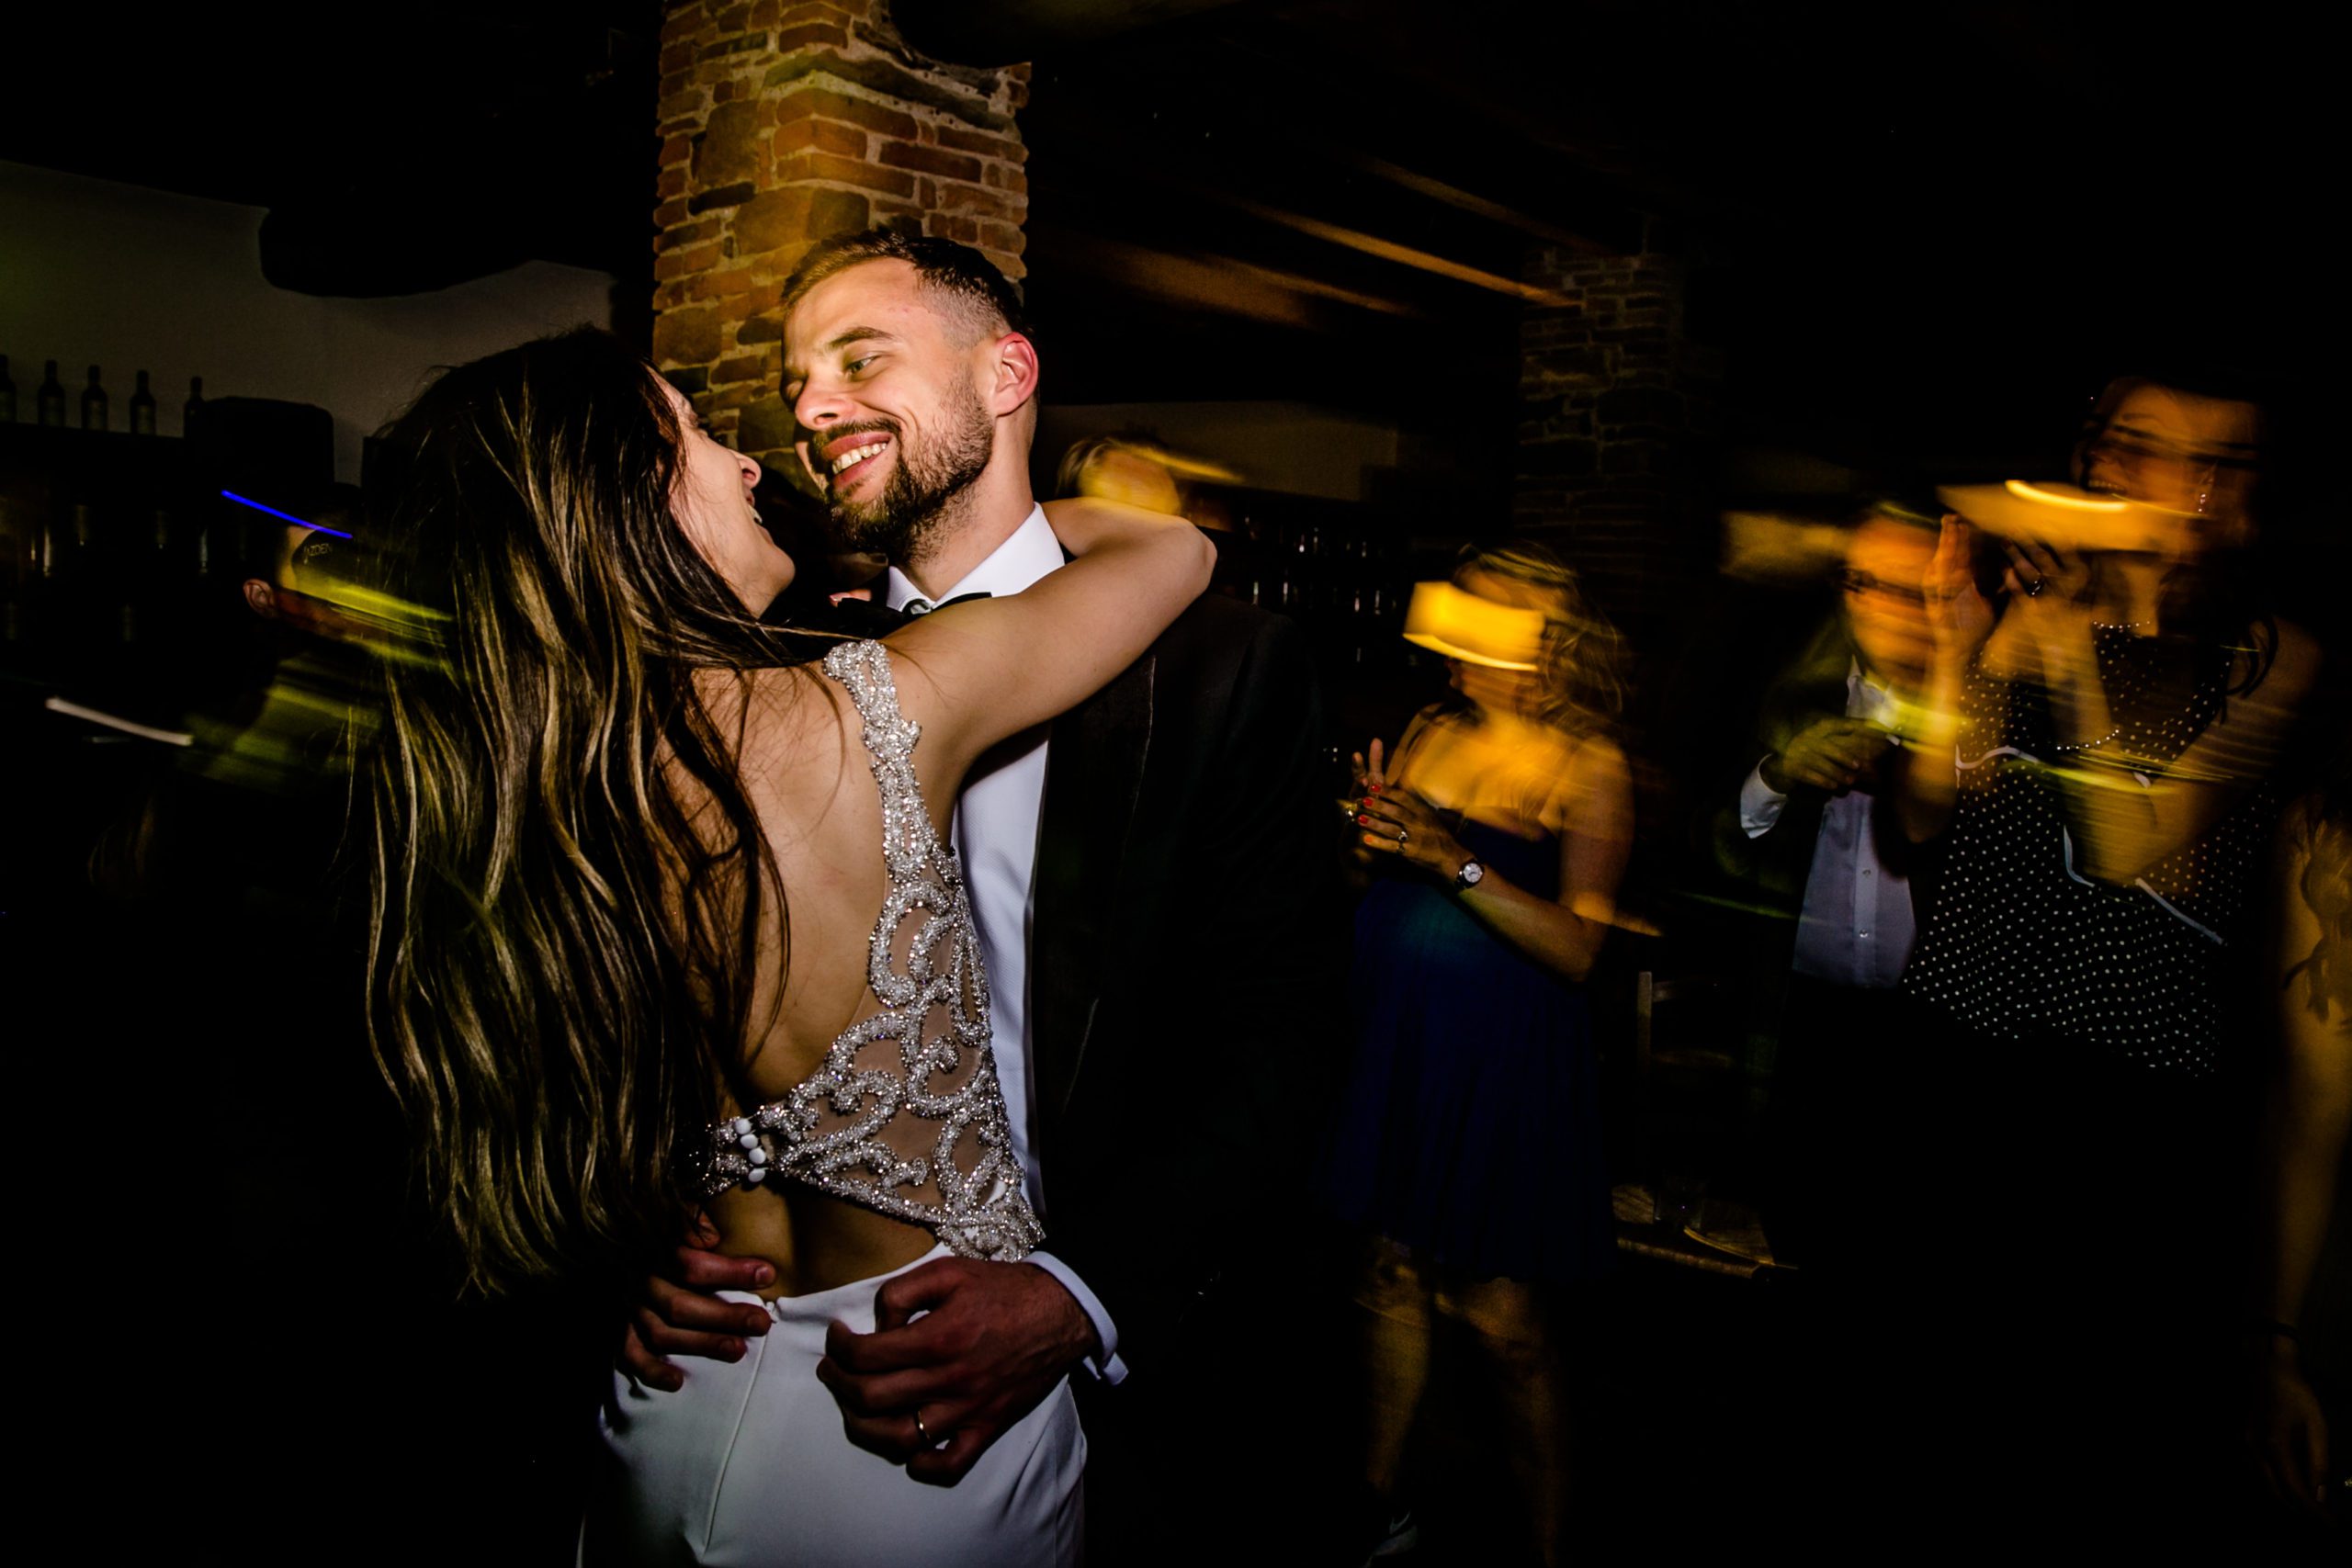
981, 1210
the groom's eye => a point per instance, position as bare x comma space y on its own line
857, 366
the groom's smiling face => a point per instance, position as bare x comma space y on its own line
885, 386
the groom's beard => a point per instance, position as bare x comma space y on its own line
925, 481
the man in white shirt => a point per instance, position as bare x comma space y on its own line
1812, 831
1148, 880
996, 834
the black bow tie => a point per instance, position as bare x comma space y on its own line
924, 606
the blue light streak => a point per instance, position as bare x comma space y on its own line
298, 522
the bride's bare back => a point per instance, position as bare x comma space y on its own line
963, 678
806, 770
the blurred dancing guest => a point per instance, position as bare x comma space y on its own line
2296, 1324
1468, 1142
1115, 467
662, 913
1813, 834
2103, 732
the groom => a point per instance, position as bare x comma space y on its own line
1149, 878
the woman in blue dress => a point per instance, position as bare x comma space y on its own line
1468, 1146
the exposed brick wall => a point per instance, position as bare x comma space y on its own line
1608, 406
783, 122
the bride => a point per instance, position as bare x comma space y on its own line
660, 911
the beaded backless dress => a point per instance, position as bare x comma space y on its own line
904, 1115
747, 1464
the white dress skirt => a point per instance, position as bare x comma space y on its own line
748, 1465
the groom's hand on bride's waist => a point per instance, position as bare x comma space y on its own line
678, 1315
961, 1350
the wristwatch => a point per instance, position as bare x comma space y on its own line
1470, 875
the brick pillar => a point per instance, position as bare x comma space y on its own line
1606, 405
786, 121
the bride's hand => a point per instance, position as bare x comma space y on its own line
681, 1315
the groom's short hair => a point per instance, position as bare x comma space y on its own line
964, 285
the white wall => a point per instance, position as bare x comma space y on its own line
128, 278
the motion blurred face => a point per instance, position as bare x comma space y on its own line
1115, 473
712, 497
1886, 602
1507, 692
2183, 452
886, 378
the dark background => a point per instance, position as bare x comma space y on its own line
1911, 232
1914, 237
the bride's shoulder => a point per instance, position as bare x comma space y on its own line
777, 715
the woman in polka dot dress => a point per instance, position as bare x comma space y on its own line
2100, 743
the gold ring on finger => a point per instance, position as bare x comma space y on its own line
922, 1433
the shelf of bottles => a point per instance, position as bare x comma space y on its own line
1339, 569
113, 546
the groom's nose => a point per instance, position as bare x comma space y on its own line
820, 407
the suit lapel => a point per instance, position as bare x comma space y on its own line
1094, 781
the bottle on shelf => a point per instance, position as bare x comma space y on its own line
52, 398
8, 394
94, 403
143, 408
192, 412
67, 544
19, 555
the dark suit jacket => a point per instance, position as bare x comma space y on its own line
1772, 868
1182, 964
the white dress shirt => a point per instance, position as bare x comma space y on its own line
1858, 924
995, 834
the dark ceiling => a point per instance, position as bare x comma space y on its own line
1904, 226
398, 148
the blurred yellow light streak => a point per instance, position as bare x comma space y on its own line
1405, 256
1437, 190
1223, 283
2026, 491
1446, 620
1186, 468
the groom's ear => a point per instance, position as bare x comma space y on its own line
1013, 371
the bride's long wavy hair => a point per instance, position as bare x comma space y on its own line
566, 880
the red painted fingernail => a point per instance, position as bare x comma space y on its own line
1372, 788
1363, 821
